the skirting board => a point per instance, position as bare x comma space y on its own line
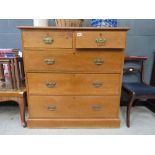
73, 123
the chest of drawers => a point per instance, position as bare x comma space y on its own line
73, 76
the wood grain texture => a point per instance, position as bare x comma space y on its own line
23, 28
13, 93
113, 39
69, 90
73, 106
74, 61
74, 84
73, 123
135, 58
61, 39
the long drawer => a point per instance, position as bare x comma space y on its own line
73, 84
74, 61
73, 106
98, 39
47, 39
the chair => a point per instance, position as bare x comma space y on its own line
19, 96
136, 90
12, 87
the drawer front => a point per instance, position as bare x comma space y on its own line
100, 39
70, 60
73, 106
47, 39
73, 84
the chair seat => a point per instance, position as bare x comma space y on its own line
139, 88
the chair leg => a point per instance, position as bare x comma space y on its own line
134, 103
129, 106
21, 103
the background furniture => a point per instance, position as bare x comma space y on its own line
15, 78
68, 22
19, 96
12, 87
152, 82
151, 104
136, 90
74, 75
8, 82
1, 72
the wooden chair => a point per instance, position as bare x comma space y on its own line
19, 96
12, 88
136, 90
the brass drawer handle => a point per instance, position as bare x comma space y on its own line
98, 61
51, 84
101, 40
51, 107
96, 107
48, 40
97, 84
49, 61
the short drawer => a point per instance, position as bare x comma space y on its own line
73, 84
73, 106
47, 39
100, 39
74, 61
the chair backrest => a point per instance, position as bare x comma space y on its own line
152, 80
134, 70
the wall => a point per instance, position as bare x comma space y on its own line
9, 34
140, 38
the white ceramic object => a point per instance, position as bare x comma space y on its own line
40, 22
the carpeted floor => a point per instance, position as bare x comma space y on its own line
142, 123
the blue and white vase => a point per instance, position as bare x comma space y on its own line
104, 22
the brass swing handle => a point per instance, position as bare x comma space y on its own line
51, 107
101, 40
98, 61
51, 84
96, 107
97, 84
48, 40
49, 61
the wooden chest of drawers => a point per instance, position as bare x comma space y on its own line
73, 76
